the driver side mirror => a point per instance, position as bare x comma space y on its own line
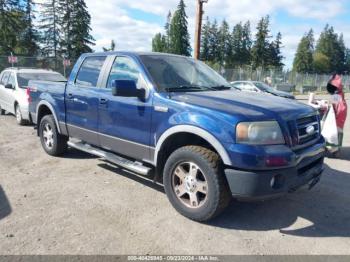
127, 88
9, 86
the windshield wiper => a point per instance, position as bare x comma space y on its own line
189, 87
221, 87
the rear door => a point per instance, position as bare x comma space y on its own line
82, 100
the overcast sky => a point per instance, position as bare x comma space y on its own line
133, 23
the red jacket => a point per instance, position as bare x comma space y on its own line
340, 106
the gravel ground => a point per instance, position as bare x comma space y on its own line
79, 204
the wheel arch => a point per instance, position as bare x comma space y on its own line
45, 108
194, 131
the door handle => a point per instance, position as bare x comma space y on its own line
103, 101
70, 96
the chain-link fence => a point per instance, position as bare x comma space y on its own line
284, 80
51, 63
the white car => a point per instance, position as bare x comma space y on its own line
259, 87
14, 97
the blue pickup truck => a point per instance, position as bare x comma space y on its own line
176, 120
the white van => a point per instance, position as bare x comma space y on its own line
14, 97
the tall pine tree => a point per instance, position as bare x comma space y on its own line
179, 37
205, 55
10, 25
224, 40
159, 43
261, 49
276, 56
331, 46
79, 40
50, 26
214, 43
30, 36
303, 60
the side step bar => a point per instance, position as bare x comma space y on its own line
120, 161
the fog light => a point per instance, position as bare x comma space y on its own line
276, 161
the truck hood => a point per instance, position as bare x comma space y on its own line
246, 105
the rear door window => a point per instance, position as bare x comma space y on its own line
89, 71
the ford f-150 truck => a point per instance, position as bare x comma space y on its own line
175, 119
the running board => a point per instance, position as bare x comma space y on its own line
120, 161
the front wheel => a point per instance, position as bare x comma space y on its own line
53, 143
194, 183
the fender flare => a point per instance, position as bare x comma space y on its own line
196, 131
43, 102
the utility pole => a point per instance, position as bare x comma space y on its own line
199, 17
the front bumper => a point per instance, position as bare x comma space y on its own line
265, 184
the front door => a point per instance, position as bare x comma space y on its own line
125, 122
82, 101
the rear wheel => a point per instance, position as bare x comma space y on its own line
194, 183
53, 143
18, 114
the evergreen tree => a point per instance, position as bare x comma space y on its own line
237, 46
331, 46
111, 48
178, 35
276, 56
10, 25
303, 60
214, 50
224, 40
50, 26
205, 51
66, 8
159, 43
167, 32
246, 44
347, 61
30, 36
321, 63
261, 48
77, 35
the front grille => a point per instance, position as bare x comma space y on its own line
307, 129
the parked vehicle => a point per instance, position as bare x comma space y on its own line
260, 87
163, 115
14, 97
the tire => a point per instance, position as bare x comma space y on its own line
207, 186
53, 143
19, 118
2, 111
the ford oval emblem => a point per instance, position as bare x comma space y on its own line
310, 130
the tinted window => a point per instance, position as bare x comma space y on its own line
124, 68
24, 78
4, 78
90, 71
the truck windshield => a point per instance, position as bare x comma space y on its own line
182, 74
24, 78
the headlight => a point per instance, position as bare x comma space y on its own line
259, 133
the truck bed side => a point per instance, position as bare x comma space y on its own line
49, 94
